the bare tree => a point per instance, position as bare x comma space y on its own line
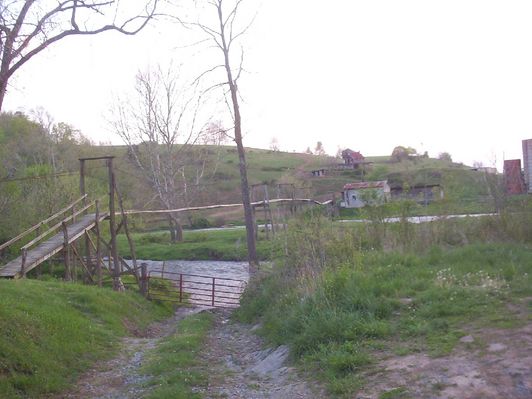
27, 27
274, 144
159, 131
203, 162
223, 33
318, 150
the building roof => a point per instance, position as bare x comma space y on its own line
348, 153
366, 184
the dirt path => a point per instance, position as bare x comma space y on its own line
120, 378
240, 367
237, 365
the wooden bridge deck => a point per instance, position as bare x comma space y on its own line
48, 248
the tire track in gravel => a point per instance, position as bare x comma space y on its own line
120, 377
240, 367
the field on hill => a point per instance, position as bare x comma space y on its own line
48, 175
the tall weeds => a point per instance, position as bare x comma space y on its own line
341, 290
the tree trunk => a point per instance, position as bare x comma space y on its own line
246, 202
176, 230
171, 230
3, 89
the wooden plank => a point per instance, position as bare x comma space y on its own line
57, 226
49, 248
40, 224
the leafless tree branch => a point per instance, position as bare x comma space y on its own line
27, 27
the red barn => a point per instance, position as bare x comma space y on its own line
352, 157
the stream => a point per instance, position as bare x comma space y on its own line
210, 268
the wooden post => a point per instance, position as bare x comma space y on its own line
181, 287
112, 227
99, 259
82, 180
213, 284
74, 249
144, 279
293, 208
66, 253
82, 191
255, 222
267, 203
334, 210
23, 263
254, 213
128, 236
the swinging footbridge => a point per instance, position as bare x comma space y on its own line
63, 232
75, 233
54, 240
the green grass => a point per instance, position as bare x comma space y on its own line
174, 366
52, 331
227, 245
334, 313
395, 393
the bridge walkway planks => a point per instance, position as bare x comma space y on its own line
48, 248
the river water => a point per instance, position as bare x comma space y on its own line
203, 282
210, 268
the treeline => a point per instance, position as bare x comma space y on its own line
39, 172
36, 159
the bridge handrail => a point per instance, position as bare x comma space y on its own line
198, 208
57, 226
41, 223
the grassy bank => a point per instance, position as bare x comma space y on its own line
52, 331
174, 366
227, 245
339, 304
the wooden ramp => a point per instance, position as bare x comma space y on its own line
48, 248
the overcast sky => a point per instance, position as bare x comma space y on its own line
452, 75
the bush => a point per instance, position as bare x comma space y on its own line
200, 223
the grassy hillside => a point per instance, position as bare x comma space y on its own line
273, 167
52, 331
465, 190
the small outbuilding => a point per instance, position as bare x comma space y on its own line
318, 172
352, 158
423, 194
357, 195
